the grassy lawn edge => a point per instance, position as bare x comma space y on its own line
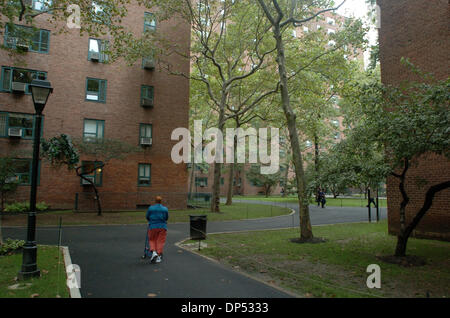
336, 268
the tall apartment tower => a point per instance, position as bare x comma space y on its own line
140, 105
418, 30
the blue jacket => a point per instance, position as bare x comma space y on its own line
157, 216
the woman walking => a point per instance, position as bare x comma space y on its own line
157, 216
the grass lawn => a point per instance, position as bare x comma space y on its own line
237, 211
338, 202
336, 268
51, 283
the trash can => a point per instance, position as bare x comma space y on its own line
198, 227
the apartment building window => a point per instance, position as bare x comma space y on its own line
27, 38
22, 171
93, 130
96, 90
144, 175
41, 5
201, 182
149, 22
97, 50
305, 29
147, 96
92, 170
145, 134
20, 124
308, 144
18, 80
337, 136
331, 31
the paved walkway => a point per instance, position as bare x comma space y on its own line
109, 257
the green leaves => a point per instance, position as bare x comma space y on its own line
61, 151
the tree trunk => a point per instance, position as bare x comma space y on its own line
191, 183
305, 222
1, 226
231, 176
215, 201
230, 185
97, 197
286, 177
402, 239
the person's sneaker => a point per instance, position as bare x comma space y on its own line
158, 259
154, 256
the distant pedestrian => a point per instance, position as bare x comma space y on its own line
157, 216
322, 200
318, 196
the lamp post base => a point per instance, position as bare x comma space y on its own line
29, 266
27, 275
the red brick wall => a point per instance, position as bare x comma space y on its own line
418, 30
68, 68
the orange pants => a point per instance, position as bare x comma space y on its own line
157, 239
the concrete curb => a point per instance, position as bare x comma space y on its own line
74, 292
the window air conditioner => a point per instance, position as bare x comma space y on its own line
19, 87
15, 132
87, 183
147, 102
95, 56
149, 63
145, 141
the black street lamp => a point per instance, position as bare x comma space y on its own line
40, 91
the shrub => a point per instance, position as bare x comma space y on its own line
10, 246
18, 207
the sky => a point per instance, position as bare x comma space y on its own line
359, 9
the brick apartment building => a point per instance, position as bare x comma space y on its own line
418, 30
91, 98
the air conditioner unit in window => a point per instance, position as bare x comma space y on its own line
147, 102
95, 56
19, 87
149, 63
86, 182
15, 132
145, 141
22, 46
11, 180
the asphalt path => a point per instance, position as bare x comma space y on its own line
109, 257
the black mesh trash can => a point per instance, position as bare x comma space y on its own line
198, 227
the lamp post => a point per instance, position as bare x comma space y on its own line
40, 91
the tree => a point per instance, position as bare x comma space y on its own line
62, 150
266, 181
283, 15
406, 123
229, 48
